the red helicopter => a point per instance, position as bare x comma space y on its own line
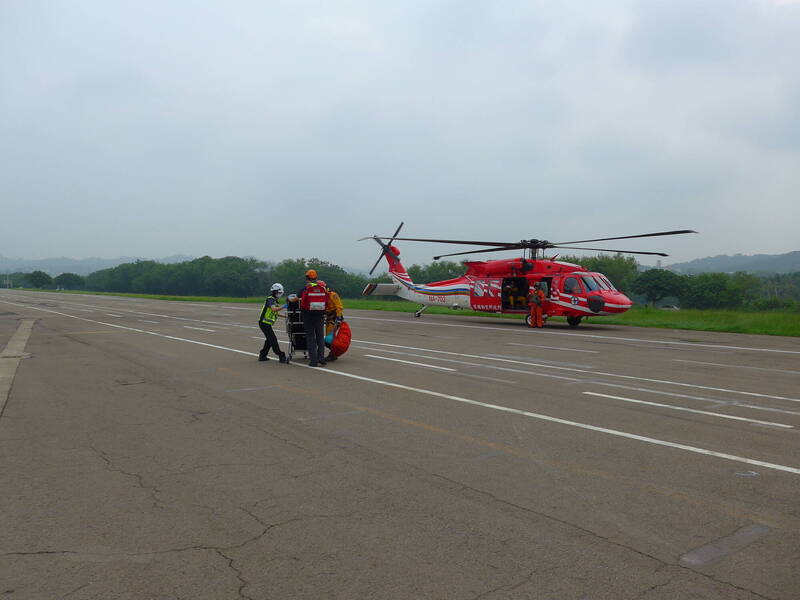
502, 286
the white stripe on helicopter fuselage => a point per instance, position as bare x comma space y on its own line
443, 295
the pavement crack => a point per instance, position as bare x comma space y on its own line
154, 491
77, 589
217, 466
243, 583
654, 587
606, 539
551, 518
508, 587
286, 441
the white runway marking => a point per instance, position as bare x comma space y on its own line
111, 315
408, 362
199, 328
586, 335
10, 357
586, 381
697, 362
542, 417
554, 348
613, 432
472, 364
691, 410
146, 321
591, 373
148, 314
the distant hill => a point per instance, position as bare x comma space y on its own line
83, 266
755, 263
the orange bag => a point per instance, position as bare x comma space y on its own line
341, 340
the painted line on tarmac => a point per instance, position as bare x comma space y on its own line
715, 401
148, 314
504, 329
586, 381
505, 360
725, 545
409, 362
586, 335
592, 373
10, 357
199, 328
697, 362
691, 410
585, 426
554, 348
471, 364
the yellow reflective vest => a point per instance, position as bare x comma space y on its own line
269, 316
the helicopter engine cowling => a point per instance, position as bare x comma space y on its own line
596, 303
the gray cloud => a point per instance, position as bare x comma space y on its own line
154, 128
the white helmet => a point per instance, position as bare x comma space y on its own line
277, 287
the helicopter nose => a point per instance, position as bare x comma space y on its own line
622, 301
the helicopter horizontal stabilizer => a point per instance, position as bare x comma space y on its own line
381, 289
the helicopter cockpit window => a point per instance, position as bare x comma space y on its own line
608, 283
571, 286
590, 283
600, 282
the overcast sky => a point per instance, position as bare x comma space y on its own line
288, 129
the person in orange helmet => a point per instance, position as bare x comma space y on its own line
536, 305
313, 300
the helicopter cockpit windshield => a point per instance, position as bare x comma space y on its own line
597, 282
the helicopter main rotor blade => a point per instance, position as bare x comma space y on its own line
399, 227
469, 242
377, 262
515, 247
609, 250
629, 237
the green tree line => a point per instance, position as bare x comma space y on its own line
242, 277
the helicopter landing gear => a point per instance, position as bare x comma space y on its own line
574, 321
421, 310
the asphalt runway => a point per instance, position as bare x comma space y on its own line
146, 453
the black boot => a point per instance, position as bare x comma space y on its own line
282, 357
262, 356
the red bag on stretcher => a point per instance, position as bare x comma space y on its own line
341, 339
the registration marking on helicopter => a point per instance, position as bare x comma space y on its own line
506, 409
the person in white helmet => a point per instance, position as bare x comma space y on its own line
269, 314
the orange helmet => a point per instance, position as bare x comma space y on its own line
311, 274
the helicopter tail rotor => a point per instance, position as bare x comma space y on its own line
386, 247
